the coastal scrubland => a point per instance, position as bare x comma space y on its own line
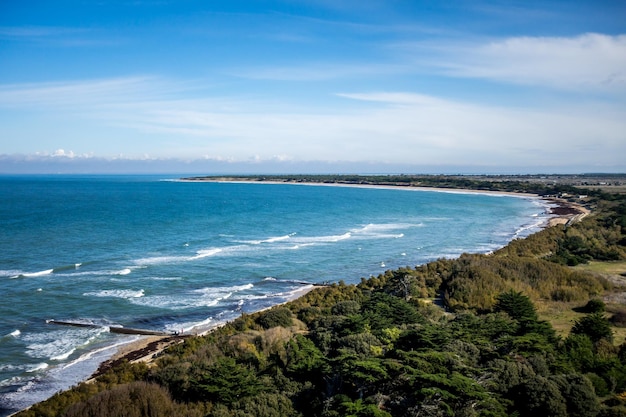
535, 328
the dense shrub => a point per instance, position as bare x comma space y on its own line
618, 319
346, 308
516, 305
595, 305
277, 316
596, 326
539, 396
139, 399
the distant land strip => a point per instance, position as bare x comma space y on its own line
543, 185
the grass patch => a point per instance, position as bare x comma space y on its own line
607, 268
619, 335
617, 189
562, 317
559, 314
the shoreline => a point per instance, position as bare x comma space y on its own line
233, 180
147, 348
565, 212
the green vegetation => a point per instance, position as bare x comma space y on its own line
383, 348
536, 184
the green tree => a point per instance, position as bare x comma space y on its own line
361, 374
594, 305
506, 374
362, 344
516, 305
538, 396
304, 359
265, 404
580, 397
384, 310
346, 308
360, 408
596, 326
579, 350
138, 399
426, 337
277, 316
226, 381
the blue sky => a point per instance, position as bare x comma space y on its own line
313, 86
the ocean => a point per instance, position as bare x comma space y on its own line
155, 253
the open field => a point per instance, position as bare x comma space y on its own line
608, 268
562, 317
614, 271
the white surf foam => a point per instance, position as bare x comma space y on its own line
163, 278
116, 293
268, 240
206, 253
188, 327
202, 297
10, 273
218, 290
59, 344
278, 238
171, 302
381, 227
159, 260
248, 297
34, 274
302, 241
381, 231
63, 356
88, 355
100, 273
38, 367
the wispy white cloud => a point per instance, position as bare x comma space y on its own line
395, 127
57, 36
51, 95
586, 62
38, 32
320, 71
400, 127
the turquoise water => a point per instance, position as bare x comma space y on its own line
158, 254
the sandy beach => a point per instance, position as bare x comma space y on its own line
566, 212
347, 184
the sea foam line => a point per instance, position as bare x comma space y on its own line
14, 334
270, 239
202, 297
116, 293
206, 253
34, 274
322, 239
39, 367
